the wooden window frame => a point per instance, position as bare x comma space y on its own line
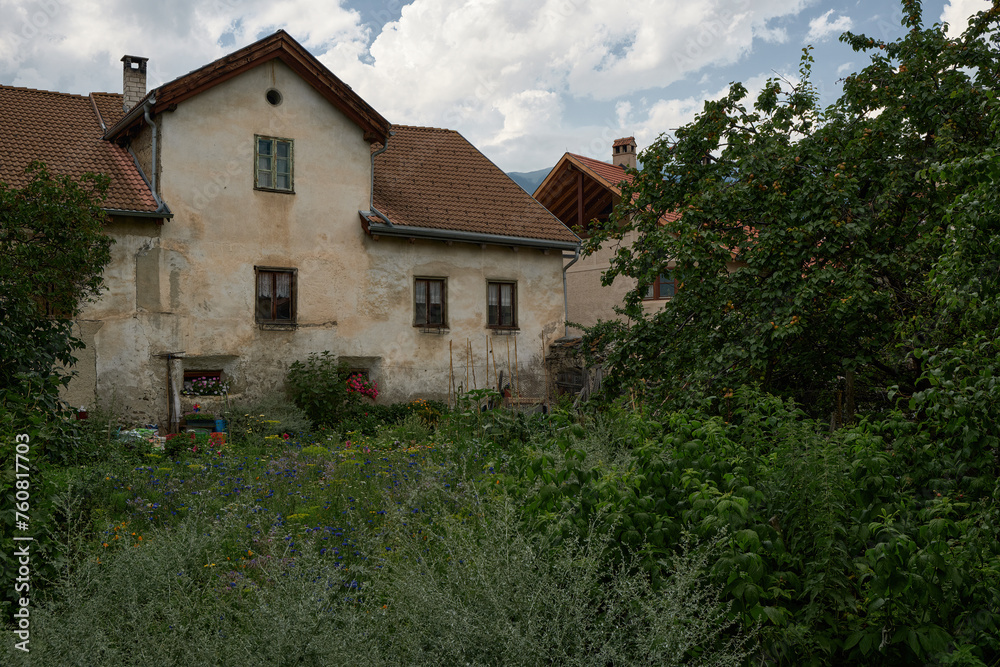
497, 315
664, 289
273, 271
273, 173
422, 283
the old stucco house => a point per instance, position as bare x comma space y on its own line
263, 211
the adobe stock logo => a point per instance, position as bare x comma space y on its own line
706, 36
38, 20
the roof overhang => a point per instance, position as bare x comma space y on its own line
374, 228
278, 46
122, 213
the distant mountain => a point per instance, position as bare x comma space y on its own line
529, 180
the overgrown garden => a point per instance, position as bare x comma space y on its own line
793, 463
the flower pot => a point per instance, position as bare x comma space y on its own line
201, 424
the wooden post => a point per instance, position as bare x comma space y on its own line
510, 375
517, 372
545, 367
487, 360
496, 373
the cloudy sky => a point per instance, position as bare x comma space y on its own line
524, 80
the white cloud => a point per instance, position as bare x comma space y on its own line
502, 72
462, 64
772, 35
76, 45
957, 13
623, 111
844, 68
822, 27
525, 113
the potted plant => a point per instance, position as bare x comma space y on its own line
197, 419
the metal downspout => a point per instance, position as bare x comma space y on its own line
371, 191
152, 176
576, 256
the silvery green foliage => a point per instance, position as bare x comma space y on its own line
478, 591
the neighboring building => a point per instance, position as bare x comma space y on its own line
263, 211
579, 191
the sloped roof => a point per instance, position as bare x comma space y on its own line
560, 192
63, 131
434, 179
624, 141
277, 46
109, 108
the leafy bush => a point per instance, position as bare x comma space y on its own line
871, 543
318, 386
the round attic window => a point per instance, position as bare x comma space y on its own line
273, 97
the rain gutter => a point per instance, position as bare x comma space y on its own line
371, 190
576, 256
404, 231
147, 105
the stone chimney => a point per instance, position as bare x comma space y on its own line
133, 80
623, 152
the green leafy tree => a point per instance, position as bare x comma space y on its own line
53, 251
829, 215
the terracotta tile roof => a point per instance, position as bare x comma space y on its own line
612, 174
436, 179
109, 108
63, 131
624, 141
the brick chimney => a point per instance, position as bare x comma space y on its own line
133, 80
623, 152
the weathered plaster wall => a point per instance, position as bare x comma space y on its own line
589, 300
188, 286
416, 362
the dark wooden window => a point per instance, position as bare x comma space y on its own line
429, 302
275, 295
501, 305
664, 288
273, 164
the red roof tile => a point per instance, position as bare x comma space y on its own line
436, 179
63, 131
109, 108
624, 141
611, 174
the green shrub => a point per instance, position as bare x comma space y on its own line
318, 386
